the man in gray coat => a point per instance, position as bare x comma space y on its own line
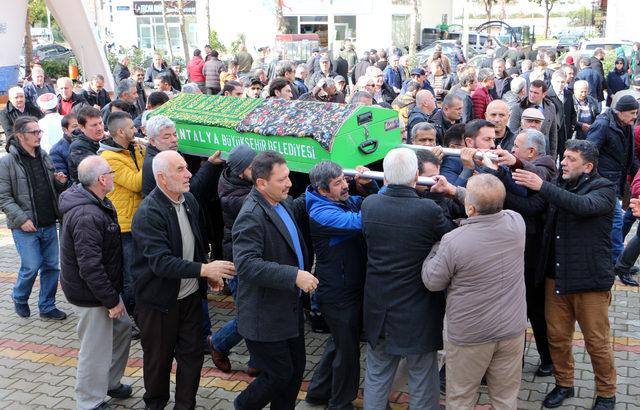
481, 267
272, 263
29, 190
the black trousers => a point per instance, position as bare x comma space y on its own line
535, 313
282, 364
165, 336
337, 376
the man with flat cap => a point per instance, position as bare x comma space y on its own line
612, 133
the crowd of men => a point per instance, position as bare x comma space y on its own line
497, 240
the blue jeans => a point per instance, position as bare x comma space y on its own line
630, 255
227, 336
38, 252
617, 241
627, 222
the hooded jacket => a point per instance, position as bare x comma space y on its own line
232, 191
615, 146
127, 164
90, 250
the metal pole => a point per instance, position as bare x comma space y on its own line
450, 151
379, 176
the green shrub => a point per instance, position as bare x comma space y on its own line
55, 68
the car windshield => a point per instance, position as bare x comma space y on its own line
568, 39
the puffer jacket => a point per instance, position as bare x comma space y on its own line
232, 192
90, 250
211, 70
16, 190
127, 164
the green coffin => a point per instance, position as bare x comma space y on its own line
303, 132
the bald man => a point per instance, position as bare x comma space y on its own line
498, 114
93, 284
480, 265
168, 232
424, 109
68, 100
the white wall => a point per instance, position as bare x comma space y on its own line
123, 29
622, 22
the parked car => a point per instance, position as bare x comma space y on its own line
564, 42
52, 51
587, 47
477, 40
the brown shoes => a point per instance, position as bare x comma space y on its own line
220, 360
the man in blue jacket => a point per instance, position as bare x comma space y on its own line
612, 133
341, 258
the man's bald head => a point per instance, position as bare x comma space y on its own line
91, 169
425, 101
485, 195
498, 114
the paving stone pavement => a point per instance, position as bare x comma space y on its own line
38, 358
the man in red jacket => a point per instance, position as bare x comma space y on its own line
194, 69
481, 97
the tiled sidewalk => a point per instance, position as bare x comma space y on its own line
38, 357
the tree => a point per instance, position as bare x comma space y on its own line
281, 27
503, 8
488, 5
166, 30
548, 5
415, 20
183, 31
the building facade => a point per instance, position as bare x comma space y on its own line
369, 23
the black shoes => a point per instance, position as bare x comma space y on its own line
22, 309
318, 325
557, 396
121, 392
545, 370
628, 279
54, 314
316, 401
605, 403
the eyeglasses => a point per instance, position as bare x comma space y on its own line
109, 173
37, 133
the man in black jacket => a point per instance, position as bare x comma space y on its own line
170, 264
233, 187
394, 295
87, 139
95, 94
612, 134
121, 70
451, 113
336, 230
272, 263
91, 279
562, 98
17, 106
578, 272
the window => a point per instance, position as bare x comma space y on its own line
313, 19
345, 27
400, 30
291, 24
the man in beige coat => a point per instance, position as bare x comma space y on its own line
481, 265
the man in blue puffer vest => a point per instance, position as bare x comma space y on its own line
341, 259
